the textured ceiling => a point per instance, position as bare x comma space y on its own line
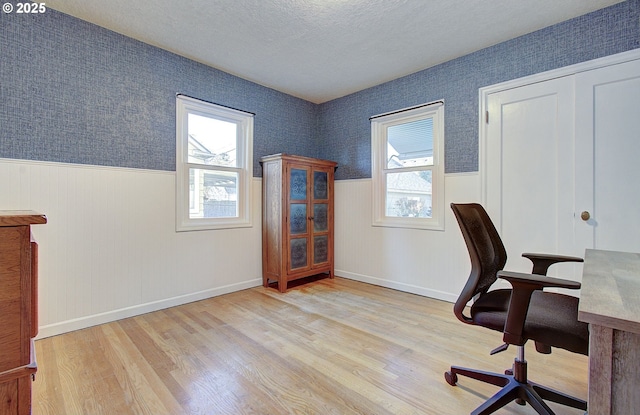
319, 50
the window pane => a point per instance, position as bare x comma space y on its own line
409, 194
213, 194
212, 141
410, 144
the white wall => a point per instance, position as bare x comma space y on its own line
425, 262
110, 250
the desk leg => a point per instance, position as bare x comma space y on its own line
614, 371
600, 369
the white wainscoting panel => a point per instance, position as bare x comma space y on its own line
431, 263
110, 249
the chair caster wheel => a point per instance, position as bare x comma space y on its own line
509, 372
451, 378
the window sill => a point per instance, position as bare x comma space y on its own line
410, 223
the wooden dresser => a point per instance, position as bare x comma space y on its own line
18, 309
297, 218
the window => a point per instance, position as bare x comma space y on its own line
213, 166
408, 167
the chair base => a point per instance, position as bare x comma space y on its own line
521, 391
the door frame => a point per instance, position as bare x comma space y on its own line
484, 93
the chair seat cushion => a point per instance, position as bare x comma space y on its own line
552, 318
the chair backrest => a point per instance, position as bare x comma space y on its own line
487, 253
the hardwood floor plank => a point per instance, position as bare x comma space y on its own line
254, 332
72, 368
332, 346
47, 394
142, 389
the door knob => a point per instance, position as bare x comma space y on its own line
585, 216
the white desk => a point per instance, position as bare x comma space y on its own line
610, 303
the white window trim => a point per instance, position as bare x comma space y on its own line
379, 125
244, 120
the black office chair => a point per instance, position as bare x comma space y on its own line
522, 313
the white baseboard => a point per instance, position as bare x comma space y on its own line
102, 318
409, 288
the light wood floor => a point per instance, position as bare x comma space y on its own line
326, 347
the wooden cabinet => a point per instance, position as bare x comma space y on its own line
18, 309
297, 218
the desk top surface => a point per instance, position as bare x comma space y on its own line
610, 294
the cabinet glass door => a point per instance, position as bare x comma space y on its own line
298, 219
320, 249
320, 206
298, 252
320, 185
298, 184
320, 217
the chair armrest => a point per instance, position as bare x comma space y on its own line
523, 287
519, 279
542, 262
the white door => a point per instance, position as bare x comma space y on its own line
608, 157
529, 184
558, 148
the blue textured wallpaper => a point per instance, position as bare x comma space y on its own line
344, 122
73, 92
